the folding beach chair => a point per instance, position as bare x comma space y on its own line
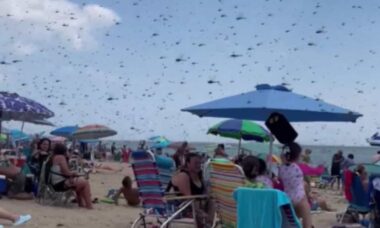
358, 198
46, 195
264, 208
326, 180
164, 209
225, 177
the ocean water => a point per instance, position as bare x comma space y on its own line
320, 154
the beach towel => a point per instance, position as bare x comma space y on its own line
347, 184
260, 208
308, 170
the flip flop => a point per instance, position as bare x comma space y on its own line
107, 200
22, 219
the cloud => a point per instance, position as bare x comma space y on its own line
30, 23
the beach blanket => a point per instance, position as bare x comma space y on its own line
260, 208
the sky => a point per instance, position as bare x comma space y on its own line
133, 65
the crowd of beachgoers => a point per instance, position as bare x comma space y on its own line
68, 167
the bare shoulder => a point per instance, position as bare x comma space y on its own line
180, 177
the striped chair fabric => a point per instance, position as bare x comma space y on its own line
225, 177
148, 182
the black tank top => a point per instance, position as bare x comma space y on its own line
195, 189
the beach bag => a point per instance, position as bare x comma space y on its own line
280, 127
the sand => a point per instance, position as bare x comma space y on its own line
107, 215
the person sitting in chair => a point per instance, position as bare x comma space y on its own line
62, 179
188, 182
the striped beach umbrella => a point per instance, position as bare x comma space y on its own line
93, 132
15, 107
241, 130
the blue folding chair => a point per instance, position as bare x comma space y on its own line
360, 202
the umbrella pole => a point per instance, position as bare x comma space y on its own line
270, 154
239, 146
22, 126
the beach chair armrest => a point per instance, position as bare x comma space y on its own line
172, 193
194, 197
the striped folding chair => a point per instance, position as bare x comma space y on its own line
156, 204
225, 177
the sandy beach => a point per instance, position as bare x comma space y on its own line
107, 215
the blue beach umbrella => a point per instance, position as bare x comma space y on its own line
262, 102
266, 99
66, 132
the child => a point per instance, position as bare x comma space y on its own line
131, 195
250, 165
262, 174
293, 180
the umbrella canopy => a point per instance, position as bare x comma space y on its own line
259, 104
159, 142
240, 129
93, 132
15, 107
17, 135
42, 122
66, 132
